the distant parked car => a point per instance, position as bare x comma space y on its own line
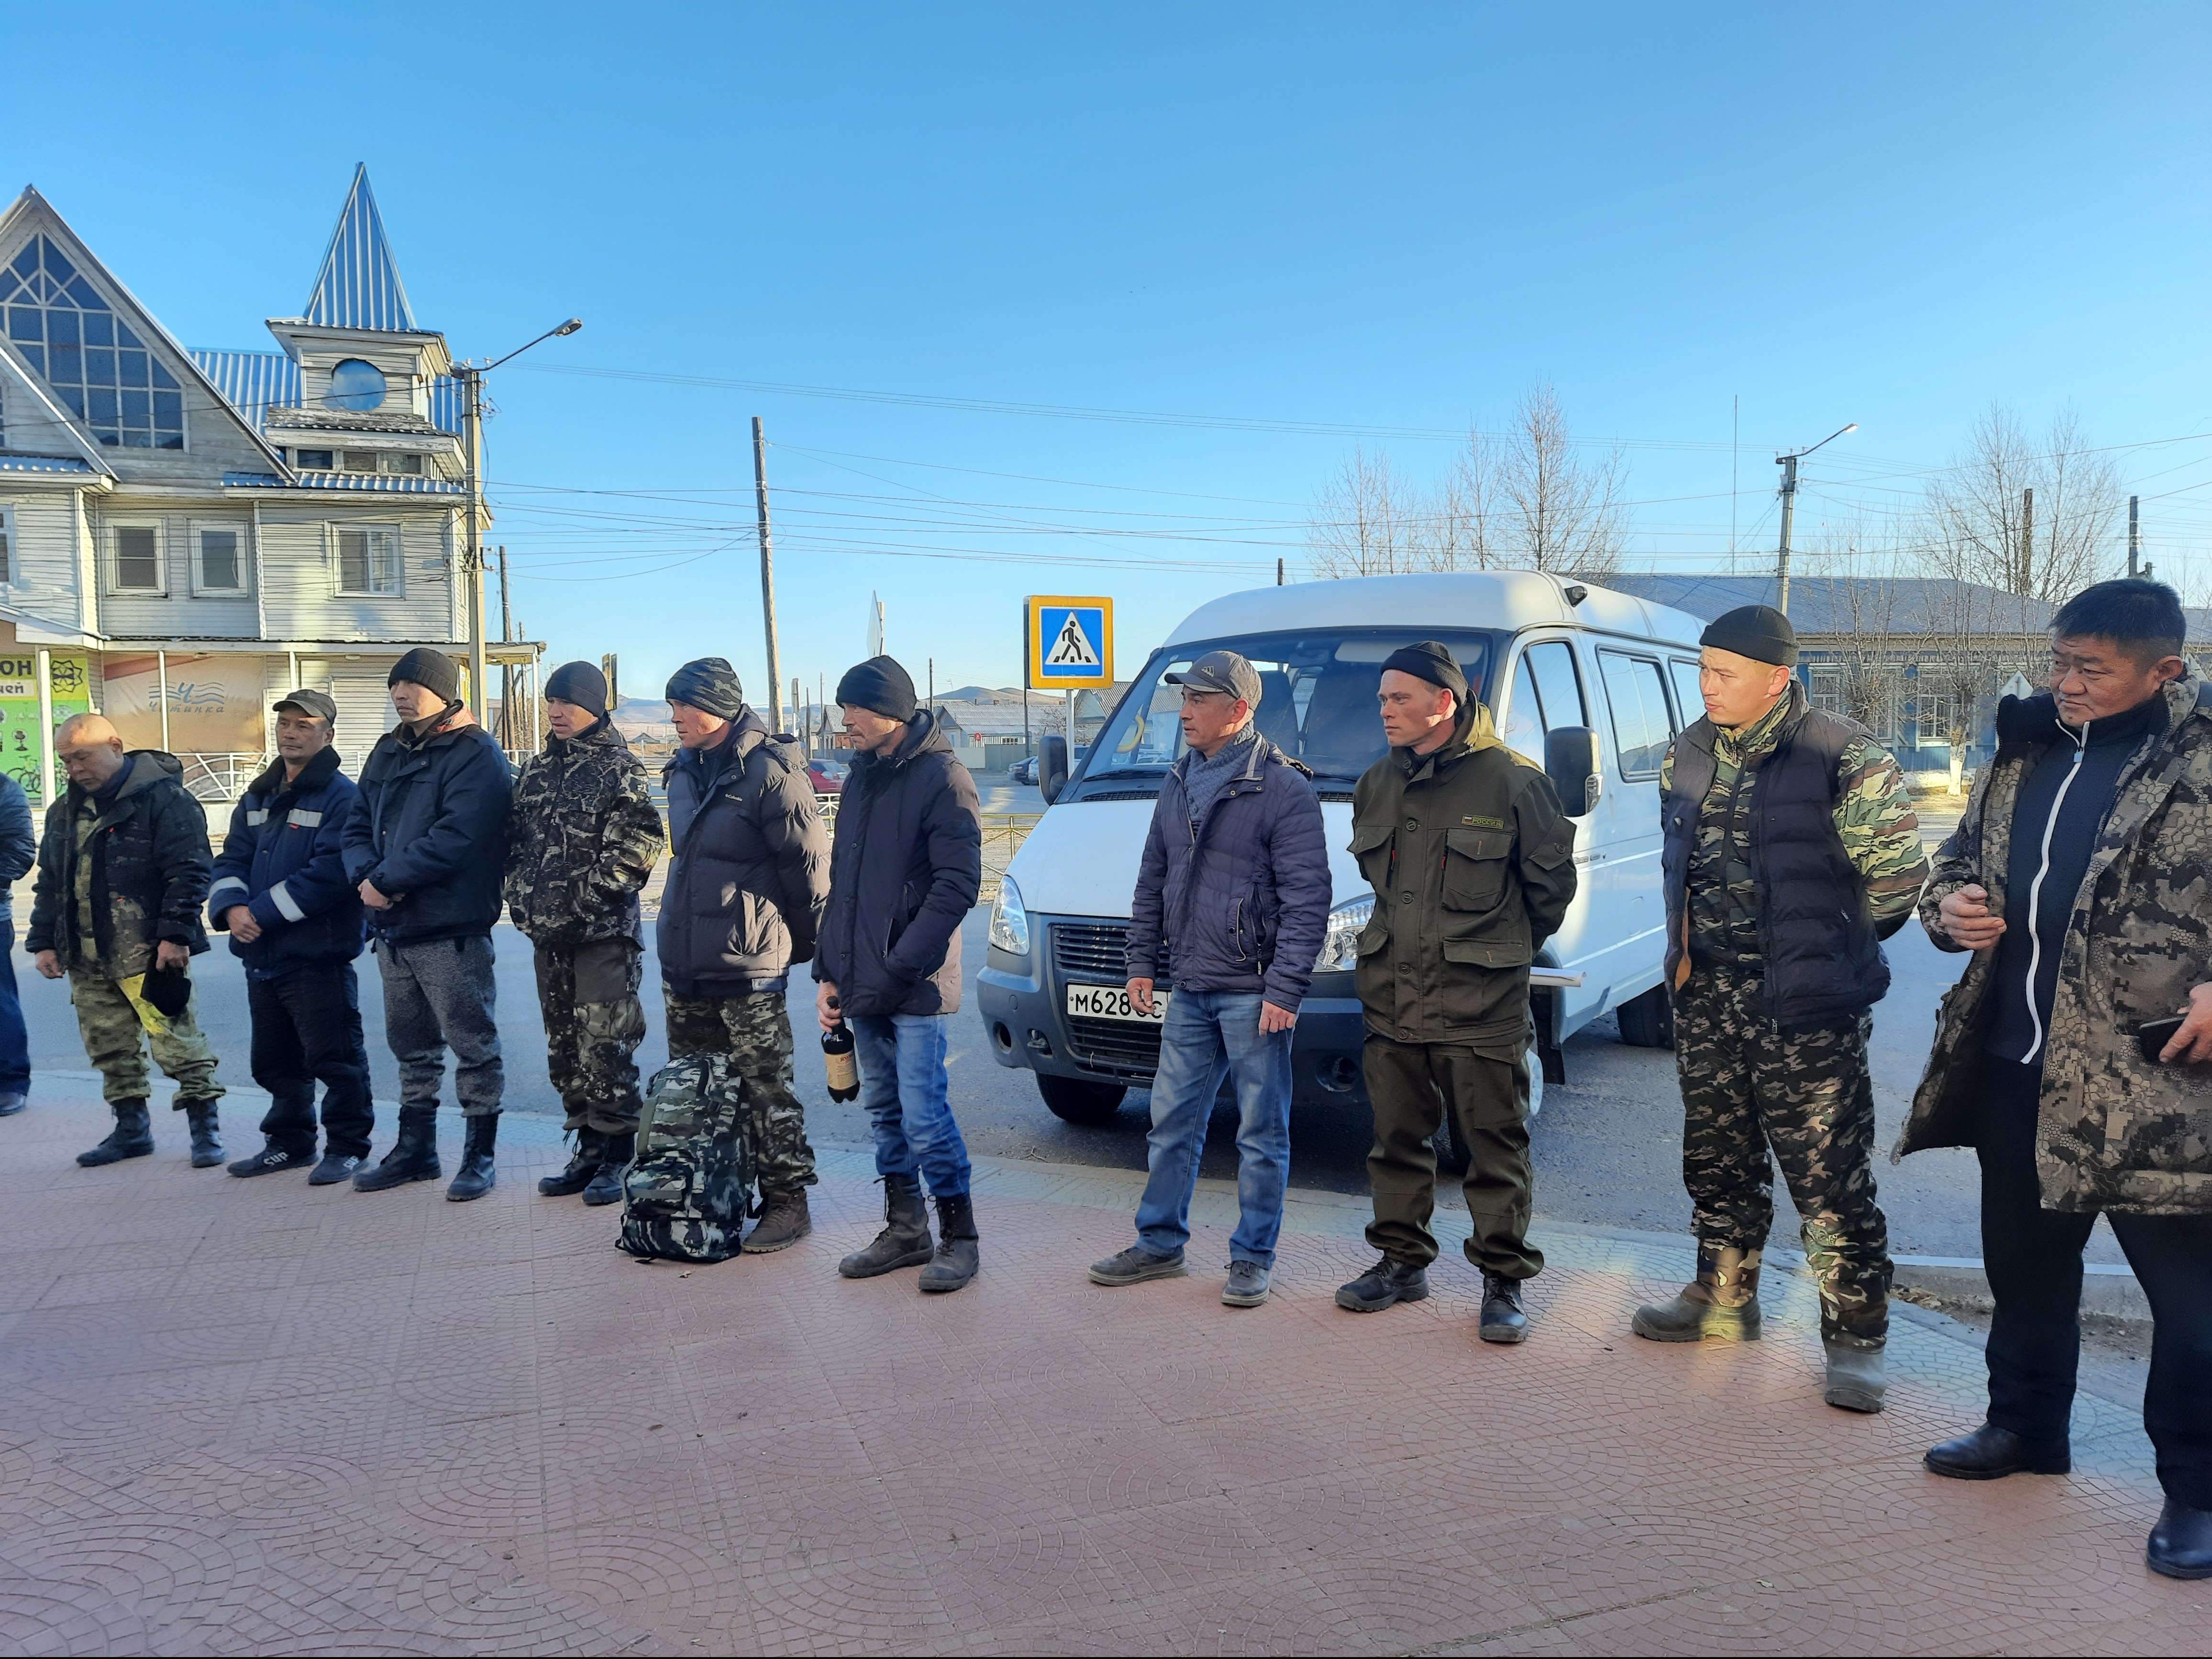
1024, 770
828, 776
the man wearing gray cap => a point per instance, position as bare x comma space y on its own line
280, 890
1232, 908
1790, 851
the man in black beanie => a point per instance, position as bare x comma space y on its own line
905, 870
584, 838
426, 847
1790, 851
748, 874
1473, 866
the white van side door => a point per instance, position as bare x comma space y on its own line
1631, 678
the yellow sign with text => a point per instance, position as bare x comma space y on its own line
1067, 643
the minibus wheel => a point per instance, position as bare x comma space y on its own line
1073, 1100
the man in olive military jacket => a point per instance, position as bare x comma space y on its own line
1473, 866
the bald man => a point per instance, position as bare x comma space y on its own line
123, 872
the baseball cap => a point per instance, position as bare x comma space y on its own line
1220, 671
316, 703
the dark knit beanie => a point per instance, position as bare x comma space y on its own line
434, 671
1757, 631
881, 685
1430, 661
710, 685
579, 682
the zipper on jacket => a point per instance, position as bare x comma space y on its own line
2035, 887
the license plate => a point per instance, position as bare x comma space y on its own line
1112, 1002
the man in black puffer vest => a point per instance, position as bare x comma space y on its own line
1792, 851
747, 877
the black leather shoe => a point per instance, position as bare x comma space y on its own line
1503, 1318
334, 1168
12, 1101
2181, 1543
1990, 1453
1390, 1280
273, 1159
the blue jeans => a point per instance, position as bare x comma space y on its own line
1208, 1033
15, 1040
904, 1088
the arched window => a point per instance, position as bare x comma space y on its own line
355, 385
87, 354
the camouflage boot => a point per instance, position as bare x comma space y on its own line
132, 1136
614, 1154
783, 1222
582, 1166
904, 1241
207, 1141
1722, 1302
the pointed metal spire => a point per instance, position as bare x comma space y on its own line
359, 285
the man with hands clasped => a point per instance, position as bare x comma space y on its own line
2073, 1055
1232, 901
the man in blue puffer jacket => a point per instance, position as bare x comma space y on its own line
279, 889
1232, 901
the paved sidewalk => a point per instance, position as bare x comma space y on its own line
252, 1417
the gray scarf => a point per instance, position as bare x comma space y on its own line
1207, 778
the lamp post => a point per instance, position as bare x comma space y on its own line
471, 376
1788, 465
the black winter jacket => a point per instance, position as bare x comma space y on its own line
430, 830
150, 865
904, 871
18, 842
582, 841
284, 859
1243, 903
751, 870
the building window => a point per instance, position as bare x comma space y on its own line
314, 460
355, 385
137, 558
411, 465
88, 355
360, 460
1935, 712
222, 565
378, 460
368, 560
1865, 692
7, 544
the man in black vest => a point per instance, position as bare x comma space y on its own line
1792, 850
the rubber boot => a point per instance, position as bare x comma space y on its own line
413, 1157
1855, 1374
132, 1136
207, 1139
614, 1154
904, 1241
783, 1222
476, 1176
957, 1252
585, 1163
1722, 1302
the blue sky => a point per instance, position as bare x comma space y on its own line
1328, 226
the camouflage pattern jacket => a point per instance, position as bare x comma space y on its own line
582, 839
2116, 1132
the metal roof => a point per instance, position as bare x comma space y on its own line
372, 482
44, 463
359, 284
254, 382
1890, 606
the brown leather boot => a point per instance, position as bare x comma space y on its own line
1723, 1302
783, 1222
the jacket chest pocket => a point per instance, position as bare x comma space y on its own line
1370, 846
1474, 868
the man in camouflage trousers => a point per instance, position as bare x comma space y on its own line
1792, 851
748, 876
582, 840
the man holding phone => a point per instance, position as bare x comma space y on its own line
2075, 1055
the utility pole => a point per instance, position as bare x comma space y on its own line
1279, 572
2026, 583
932, 684
610, 666
767, 578
1788, 465
2134, 534
472, 380
506, 669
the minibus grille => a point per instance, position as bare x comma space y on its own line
1121, 1047
1091, 950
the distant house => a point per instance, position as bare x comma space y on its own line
1899, 634
186, 534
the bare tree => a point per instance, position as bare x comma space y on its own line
1862, 594
1561, 511
1972, 633
1366, 521
2032, 517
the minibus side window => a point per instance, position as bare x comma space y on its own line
1546, 695
1524, 715
1638, 697
1689, 701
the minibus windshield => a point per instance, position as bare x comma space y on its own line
1317, 703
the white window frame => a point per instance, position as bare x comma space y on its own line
11, 548
112, 532
243, 531
338, 559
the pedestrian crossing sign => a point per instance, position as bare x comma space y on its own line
1067, 642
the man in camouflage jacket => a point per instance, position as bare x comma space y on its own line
1791, 850
582, 840
2081, 880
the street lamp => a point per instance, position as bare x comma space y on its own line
1788, 465
472, 379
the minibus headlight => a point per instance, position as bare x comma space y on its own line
1009, 922
1339, 947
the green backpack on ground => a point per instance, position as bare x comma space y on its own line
684, 1192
